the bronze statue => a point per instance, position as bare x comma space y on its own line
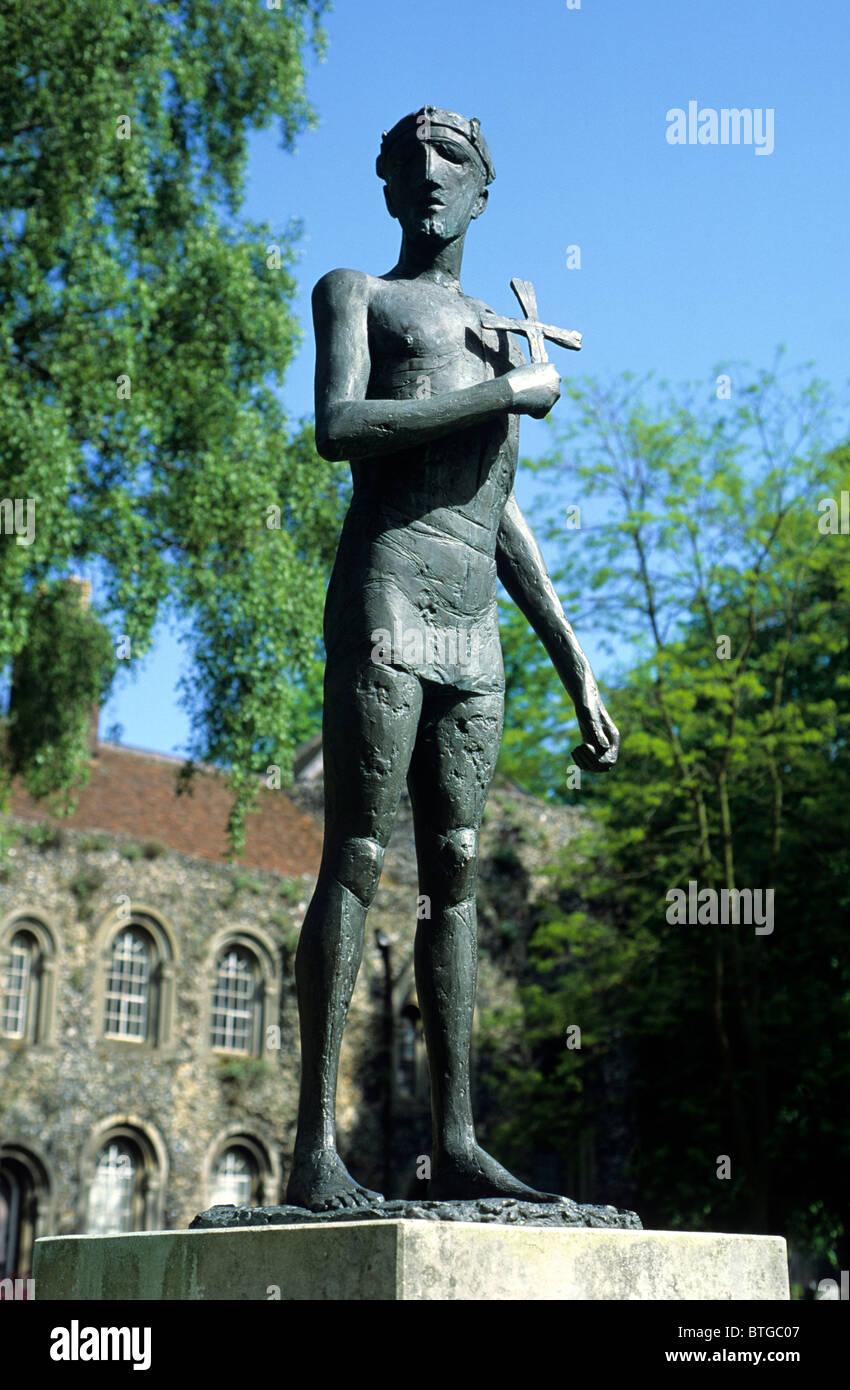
421, 388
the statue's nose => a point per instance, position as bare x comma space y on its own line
430, 164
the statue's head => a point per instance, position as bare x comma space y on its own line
436, 166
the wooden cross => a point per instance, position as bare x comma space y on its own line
534, 330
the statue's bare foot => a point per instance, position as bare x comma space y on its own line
473, 1173
321, 1182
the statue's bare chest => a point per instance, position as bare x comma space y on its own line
426, 341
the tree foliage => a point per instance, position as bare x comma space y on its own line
146, 328
62, 671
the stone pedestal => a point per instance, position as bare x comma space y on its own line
411, 1260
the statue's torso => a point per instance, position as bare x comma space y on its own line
417, 552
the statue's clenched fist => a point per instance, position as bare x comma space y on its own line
535, 388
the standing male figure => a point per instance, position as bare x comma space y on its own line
427, 412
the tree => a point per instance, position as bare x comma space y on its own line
734, 774
147, 329
60, 677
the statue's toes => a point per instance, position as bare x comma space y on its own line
366, 1198
336, 1201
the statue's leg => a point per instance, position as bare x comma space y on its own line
369, 730
450, 775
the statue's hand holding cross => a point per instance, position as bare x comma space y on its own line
532, 379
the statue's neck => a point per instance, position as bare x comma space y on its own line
426, 259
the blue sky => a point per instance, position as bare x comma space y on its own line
691, 255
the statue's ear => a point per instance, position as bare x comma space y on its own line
481, 202
389, 202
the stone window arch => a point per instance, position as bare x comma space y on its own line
243, 1170
123, 1178
25, 1208
135, 978
27, 979
243, 993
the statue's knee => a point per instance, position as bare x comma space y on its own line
359, 868
457, 861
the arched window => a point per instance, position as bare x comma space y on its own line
123, 1175
24, 1209
27, 956
241, 1173
242, 994
21, 990
237, 1002
136, 980
234, 1178
10, 1219
112, 1198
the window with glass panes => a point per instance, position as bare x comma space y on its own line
19, 975
111, 1199
9, 1207
235, 1001
128, 986
233, 1178
406, 1074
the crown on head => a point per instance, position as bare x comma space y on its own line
428, 118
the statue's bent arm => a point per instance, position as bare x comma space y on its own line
348, 425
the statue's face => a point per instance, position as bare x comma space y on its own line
435, 186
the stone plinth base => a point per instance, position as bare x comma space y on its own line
411, 1260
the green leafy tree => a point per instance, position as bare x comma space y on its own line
712, 563
146, 328
60, 678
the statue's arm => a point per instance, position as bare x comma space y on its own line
350, 426
523, 572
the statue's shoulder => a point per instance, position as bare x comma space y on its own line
341, 287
